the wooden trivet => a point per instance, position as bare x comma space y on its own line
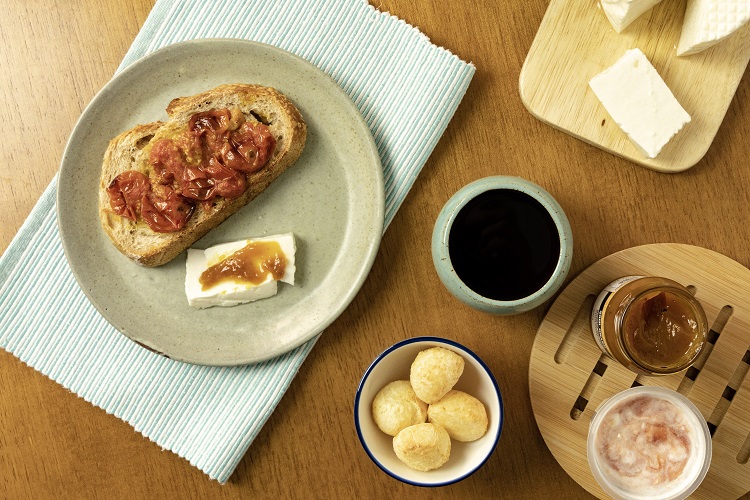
569, 377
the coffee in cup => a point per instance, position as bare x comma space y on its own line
502, 244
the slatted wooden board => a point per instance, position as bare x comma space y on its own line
569, 377
575, 41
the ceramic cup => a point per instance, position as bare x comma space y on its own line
442, 245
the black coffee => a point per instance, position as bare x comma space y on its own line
504, 244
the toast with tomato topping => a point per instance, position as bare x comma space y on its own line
166, 184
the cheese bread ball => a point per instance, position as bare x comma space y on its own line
461, 414
434, 372
396, 407
423, 447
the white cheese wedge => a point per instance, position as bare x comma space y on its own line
640, 102
708, 22
231, 293
621, 13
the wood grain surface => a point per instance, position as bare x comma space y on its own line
56, 55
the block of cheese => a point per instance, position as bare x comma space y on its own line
233, 292
639, 101
623, 12
708, 22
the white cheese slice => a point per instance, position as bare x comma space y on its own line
708, 22
230, 293
621, 13
640, 102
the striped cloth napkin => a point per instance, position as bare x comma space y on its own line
210, 415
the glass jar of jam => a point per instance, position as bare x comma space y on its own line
651, 325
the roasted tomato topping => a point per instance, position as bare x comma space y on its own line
130, 193
229, 183
125, 193
166, 214
211, 158
255, 143
216, 120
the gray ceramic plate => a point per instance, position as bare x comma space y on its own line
332, 199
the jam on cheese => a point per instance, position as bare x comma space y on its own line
251, 264
243, 271
210, 159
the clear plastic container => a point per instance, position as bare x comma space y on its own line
648, 443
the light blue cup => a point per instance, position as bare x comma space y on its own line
441, 255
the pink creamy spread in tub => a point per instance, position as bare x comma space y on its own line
644, 444
648, 443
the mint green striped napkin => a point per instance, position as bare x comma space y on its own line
407, 90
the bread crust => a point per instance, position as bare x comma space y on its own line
130, 151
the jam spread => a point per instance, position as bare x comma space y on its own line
251, 264
210, 159
661, 329
651, 325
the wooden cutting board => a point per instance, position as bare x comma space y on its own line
569, 377
575, 42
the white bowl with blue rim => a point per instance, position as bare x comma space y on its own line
465, 458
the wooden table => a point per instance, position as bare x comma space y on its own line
55, 57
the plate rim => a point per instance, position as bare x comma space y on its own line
370, 250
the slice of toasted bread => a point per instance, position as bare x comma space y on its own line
130, 151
